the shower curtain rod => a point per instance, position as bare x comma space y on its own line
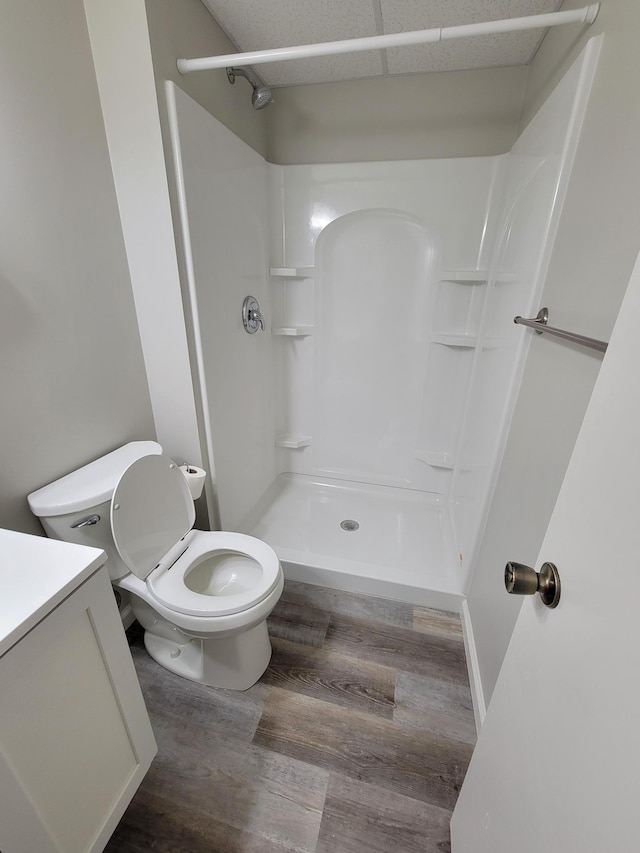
539, 323
584, 15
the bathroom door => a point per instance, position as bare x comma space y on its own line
556, 764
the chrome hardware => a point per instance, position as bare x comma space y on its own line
251, 316
86, 522
540, 324
522, 580
541, 319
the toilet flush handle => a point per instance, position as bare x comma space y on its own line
86, 522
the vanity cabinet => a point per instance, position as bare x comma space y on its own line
75, 736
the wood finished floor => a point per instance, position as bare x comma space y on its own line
355, 740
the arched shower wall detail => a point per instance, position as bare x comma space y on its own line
375, 271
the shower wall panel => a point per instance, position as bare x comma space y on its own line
371, 354
223, 188
535, 180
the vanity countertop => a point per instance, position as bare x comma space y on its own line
36, 574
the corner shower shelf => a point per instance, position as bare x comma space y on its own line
291, 272
465, 276
461, 341
437, 459
467, 341
442, 459
293, 442
293, 331
477, 277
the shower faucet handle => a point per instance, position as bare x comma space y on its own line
251, 315
256, 317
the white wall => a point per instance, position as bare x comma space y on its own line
186, 29
135, 47
72, 377
122, 58
400, 117
597, 241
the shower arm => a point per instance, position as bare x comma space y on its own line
584, 15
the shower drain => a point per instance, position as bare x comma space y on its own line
349, 524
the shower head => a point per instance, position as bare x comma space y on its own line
261, 96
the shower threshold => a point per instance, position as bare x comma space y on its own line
376, 540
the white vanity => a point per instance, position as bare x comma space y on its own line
75, 736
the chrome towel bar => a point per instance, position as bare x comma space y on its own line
539, 323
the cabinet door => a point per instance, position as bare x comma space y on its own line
75, 736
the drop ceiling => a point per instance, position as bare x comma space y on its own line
262, 24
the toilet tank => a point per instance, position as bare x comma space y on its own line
87, 492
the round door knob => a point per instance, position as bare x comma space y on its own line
523, 580
520, 579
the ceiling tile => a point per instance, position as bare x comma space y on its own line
322, 69
282, 23
474, 52
405, 15
279, 23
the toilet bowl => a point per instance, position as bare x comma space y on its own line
202, 597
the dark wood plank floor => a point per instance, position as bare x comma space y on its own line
356, 739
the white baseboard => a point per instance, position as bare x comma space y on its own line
475, 681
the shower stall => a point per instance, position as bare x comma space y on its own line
360, 433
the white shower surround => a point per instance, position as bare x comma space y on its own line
289, 472
392, 259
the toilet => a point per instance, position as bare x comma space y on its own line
202, 597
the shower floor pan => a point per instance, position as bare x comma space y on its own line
402, 547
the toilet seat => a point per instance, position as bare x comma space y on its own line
188, 571
241, 571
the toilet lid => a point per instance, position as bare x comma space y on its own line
151, 510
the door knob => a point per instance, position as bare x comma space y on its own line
523, 580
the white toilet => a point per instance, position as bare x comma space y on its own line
202, 597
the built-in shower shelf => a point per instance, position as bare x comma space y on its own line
477, 277
293, 331
461, 341
468, 341
443, 459
293, 442
437, 459
465, 276
292, 272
